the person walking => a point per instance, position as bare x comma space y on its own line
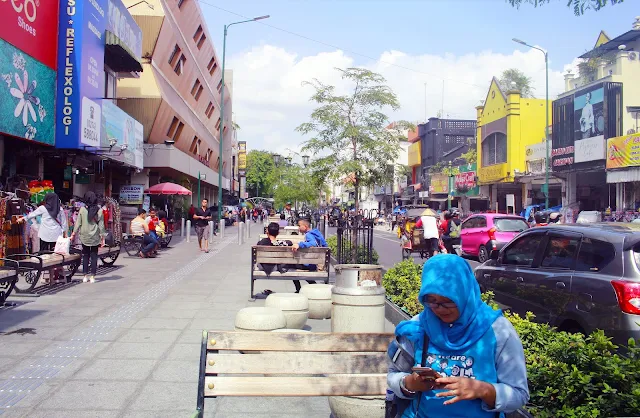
90, 229
201, 218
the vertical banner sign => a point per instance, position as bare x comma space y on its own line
242, 157
589, 124
80, 73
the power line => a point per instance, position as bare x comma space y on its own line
339, 48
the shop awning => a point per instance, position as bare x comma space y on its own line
436, 199
627, 175
118, 56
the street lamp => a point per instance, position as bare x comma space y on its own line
546, 127
276, 159
224, 48
305, 160
288, 160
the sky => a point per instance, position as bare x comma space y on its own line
455, 46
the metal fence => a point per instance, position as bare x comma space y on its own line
355, 239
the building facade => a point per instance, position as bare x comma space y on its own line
507, 124
177, 98
594, 126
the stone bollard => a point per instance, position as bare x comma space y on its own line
222, 226
182, 228
358, 300
248, 230
188, 232
294, 306
211, 231
240, 233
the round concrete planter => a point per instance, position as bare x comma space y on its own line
259, 318
357, 407
294, 306
319, 296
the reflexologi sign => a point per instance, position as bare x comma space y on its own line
27, 68
81, 49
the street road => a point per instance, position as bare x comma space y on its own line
387, 244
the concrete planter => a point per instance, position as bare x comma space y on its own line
357, 407
319, 296
358, 299
294, 306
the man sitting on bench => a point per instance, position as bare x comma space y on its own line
272, 240
312, 238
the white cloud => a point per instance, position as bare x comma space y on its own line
270, 99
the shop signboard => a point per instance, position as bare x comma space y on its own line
32, 27
494, 173
27, 95
81, 77
439, 184
465, 181
123, 134
122, 24
623, 151
132, 194
589, 124
242, 157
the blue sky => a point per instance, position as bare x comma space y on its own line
463, 41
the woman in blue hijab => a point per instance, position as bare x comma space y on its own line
475, 351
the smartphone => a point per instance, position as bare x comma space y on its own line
428, 372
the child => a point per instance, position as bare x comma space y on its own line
272, 239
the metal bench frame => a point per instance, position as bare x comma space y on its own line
8, 283
32, 266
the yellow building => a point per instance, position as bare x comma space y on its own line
507, 124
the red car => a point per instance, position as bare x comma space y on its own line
483, 232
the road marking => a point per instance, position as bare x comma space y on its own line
396, 241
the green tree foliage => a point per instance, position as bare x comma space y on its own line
579, 6
260, 168
293, 183
522, 82
570, 375
350, 130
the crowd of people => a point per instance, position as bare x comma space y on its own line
151, 227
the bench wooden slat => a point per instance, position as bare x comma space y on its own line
299, 259
306, 342
4, 273
334, 385
284, 237
274, 249
297, 363
297, 273
107, 250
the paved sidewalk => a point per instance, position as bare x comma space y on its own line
128, 345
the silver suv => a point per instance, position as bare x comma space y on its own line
578, 277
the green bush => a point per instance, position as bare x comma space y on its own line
570, 375
361, 256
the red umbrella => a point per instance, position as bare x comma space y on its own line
168, 189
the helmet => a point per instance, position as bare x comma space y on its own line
554, 217
541, 217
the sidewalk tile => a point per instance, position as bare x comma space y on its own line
112, 369
176, 371
184, 352
154, 397
150, 336
120, 350
91, 395
161, 323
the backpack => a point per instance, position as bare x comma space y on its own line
454, 229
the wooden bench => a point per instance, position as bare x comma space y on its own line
291, 364
33, 265
319, 256
292, 238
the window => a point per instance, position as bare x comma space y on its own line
198, 33
522, 251
218, 124
180, 3
195, 87
469, 223
174, 55
212, 66
594, 255
481, 222
199, 37
209, 154
180, 64
210, 109
560, 252
510, 224
175, 129
110, 81
195, 146
220, 86
494, 149
198, 93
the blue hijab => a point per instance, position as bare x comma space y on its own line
451, 276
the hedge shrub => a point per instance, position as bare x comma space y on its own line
361, 256
570, 375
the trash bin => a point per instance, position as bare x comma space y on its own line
358, 299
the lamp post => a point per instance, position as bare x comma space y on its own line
449, 191
546, 127
224, 47
140, 2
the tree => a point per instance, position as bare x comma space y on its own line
351, 129
260, 167
522, 82
471, 156
293, 183
579, 6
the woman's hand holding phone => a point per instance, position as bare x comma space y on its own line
421, 380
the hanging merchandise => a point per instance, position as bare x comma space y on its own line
39, 189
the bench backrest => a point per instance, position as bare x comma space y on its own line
285, 255
293, 364
292, 238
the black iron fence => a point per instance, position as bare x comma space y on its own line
355, 238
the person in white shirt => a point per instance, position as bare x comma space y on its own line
53, 224
587, 119
431, 233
